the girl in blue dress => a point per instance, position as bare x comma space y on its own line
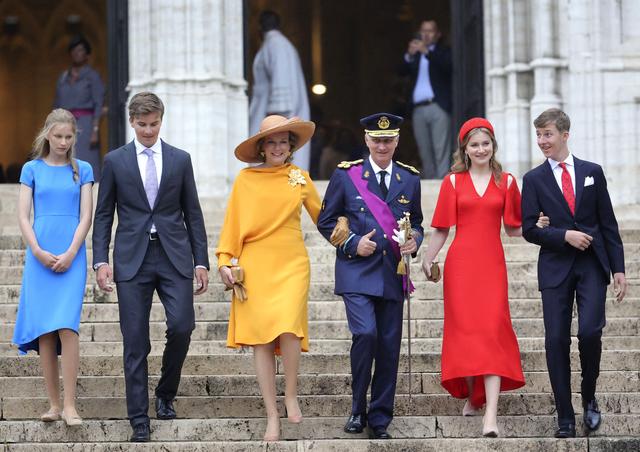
58, 187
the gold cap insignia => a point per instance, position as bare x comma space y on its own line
383, 122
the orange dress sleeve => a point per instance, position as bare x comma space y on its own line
445, 214
311, 199
231, 239
512, 215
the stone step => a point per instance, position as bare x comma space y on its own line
322, 291
326, 329
514, 404
326, 272
333, 384
242, 363
402, 427
318, 310
592, 444
10, 238
324, 254
325, 346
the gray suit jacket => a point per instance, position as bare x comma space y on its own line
176, 214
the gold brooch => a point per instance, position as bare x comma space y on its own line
403, 200
383, 122
296, 177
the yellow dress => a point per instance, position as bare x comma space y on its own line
262, 230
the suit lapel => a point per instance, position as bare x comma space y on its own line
131, 160
167, 165
580, 176
396, 185
550, 181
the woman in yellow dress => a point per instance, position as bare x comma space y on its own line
262, 231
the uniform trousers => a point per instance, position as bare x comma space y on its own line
376, 328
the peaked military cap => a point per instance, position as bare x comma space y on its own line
382, 125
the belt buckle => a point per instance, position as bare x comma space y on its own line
153, 236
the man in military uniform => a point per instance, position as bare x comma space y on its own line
373, 194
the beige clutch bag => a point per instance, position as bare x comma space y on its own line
435, 272
239, 291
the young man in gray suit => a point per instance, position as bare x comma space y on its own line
159, 240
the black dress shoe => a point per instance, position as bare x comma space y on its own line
355, 424
591, 416
141, 433
164, 409
566, 431
379, 433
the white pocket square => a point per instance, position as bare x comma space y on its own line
588, 181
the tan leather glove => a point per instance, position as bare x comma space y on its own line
340, 232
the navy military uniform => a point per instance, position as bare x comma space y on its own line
370, 286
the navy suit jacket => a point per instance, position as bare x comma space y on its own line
176, 213
373, 275
593, 215
440, 75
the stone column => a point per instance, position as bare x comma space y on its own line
190, 54
495, 36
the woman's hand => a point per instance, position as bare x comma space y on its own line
63, 261
226, 277
543, 221
45, 257
426, 268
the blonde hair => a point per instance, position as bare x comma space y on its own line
461, 161
41, 146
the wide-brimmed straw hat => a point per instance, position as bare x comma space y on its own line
247, 151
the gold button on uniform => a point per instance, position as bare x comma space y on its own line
384, 252
384, 235
361, 209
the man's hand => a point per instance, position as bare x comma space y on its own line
104, 277
202, 278
227, 277
63, 262
619, 286
415, 45
366, 246
543, 221
578, 239
46, 258
409, 247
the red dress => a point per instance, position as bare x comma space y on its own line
478, 337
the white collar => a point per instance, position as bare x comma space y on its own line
568, 161
140, 148
377, 169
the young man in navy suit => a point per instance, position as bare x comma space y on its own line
373, 194
578, 253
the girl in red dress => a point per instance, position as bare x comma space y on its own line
480, 354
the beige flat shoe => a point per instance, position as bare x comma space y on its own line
470, 410
489, 432
71, 421
50, 416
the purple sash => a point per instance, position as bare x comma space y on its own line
380, 211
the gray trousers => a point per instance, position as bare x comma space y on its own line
432, 130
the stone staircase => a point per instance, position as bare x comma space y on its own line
219, 404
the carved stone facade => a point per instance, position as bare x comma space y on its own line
581, 56
190, 54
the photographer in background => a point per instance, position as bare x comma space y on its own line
428, 63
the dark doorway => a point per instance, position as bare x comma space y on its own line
354, 48
118, 51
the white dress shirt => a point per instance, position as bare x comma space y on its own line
423, 90
377, 169
142, 163
557, 171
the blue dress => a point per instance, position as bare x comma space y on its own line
52, 301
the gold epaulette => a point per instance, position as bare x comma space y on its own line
347, 165
409, 167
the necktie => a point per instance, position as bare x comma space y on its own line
151, 178
567, 188
383, 185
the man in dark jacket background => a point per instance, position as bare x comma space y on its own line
428, 63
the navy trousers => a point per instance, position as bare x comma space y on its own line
587, 282
134, 302
376, 328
